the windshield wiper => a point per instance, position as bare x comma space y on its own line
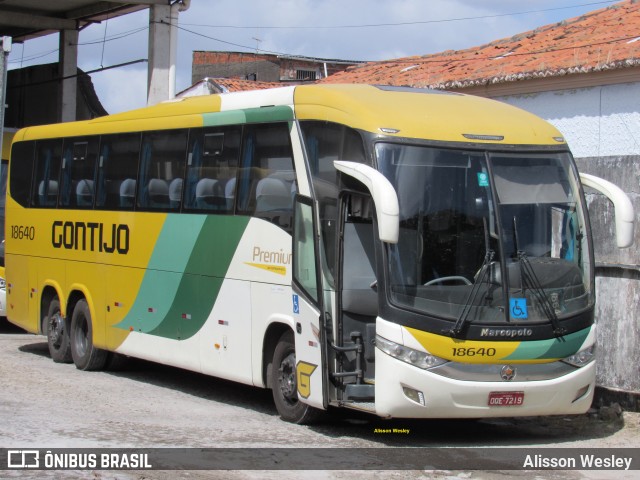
529, 280
463, 319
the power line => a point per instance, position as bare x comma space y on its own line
88, 72
246, 47
33, 56
398, 24
116, 36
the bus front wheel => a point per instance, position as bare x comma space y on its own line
284, 384
58, 334
85, 355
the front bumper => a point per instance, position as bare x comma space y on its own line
450, 398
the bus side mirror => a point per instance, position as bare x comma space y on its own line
383, 194
621, 203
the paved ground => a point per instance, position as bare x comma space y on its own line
47, 405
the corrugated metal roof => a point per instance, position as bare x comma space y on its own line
601, 40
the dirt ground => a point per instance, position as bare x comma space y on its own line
48, 405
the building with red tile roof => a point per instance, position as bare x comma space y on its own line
264, 66
600, 47
209, 86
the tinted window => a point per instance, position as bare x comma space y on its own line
47, 173
77, 179
212, 163
21, 168
267, 179
326, 142
161, 169
117, 171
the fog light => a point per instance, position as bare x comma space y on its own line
414, 395
581, 393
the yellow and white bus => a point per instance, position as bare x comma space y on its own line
404, 252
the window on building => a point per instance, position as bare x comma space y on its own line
306, 74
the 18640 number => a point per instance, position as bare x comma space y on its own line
23, 232
474, 352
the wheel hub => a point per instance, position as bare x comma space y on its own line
288, 384
56, 327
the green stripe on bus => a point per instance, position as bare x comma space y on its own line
249, 115
269, 114
161, 281
550, 349
204, 273
190, 259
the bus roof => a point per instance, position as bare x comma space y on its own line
404, 112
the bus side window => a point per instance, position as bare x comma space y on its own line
21, 167
161, 170
78, 170
267, 178
116, 178
47, 172
212, 162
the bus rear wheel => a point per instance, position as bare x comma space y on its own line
58, 334
85, 355
284, 384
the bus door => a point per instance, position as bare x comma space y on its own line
308, 310
355, 331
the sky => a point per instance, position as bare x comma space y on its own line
337, 29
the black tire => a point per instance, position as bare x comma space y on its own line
284, 384
116, 362
85, 355
58, 334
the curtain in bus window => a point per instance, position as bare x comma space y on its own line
67, 175
193, 167
313, 153
101, 180
145, 161
245, 174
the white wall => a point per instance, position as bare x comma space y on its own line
596, 121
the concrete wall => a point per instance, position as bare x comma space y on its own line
602, 127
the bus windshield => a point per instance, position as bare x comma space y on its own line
487, 237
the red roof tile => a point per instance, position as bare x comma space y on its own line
238, 85
600, 40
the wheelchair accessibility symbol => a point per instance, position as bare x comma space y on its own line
518, 308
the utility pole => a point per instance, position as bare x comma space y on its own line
4, 65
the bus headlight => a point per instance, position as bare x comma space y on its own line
3, 284
408, 355
581, 358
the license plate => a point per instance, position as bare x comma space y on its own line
506, 399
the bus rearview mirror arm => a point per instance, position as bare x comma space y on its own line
383, 194
624, 214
